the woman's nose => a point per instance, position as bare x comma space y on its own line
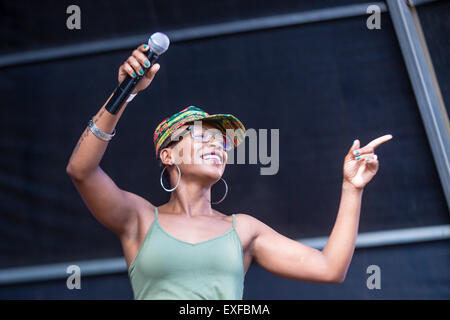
215, 142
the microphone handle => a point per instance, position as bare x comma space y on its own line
124, 89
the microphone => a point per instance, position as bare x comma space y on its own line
158, 43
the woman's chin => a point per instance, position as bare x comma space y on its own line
212, 171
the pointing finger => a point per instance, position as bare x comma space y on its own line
375, 143
370, 147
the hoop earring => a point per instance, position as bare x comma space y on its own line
225, 195
161, 179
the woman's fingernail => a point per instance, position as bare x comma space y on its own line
141, 72
356, 152
145, 46
358, 157
367, 159
147, 63
134, 74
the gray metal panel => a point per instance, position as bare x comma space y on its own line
118, 265
425, 86
390, 237
58, 270
419, 2
96, 47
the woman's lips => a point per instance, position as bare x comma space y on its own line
212, 156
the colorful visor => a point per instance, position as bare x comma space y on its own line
164, 130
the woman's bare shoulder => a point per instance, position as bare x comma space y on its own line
250, 223
243, 221
146, 216
247, 218
145, 207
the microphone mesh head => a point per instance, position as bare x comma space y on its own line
159, 43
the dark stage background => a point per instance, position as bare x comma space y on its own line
321, 84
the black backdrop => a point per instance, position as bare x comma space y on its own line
321, 84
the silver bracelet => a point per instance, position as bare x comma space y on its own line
99, 133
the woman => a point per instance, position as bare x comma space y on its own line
185, 249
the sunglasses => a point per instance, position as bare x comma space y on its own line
203, 135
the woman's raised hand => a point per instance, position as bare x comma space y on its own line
361, 164
135, 65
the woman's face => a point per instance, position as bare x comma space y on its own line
197, 159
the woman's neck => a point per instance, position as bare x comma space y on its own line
191, 199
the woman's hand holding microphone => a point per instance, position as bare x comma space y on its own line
135, 65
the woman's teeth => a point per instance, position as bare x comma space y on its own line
212, 156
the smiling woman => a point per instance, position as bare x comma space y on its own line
222, 131
194, 153
185, 249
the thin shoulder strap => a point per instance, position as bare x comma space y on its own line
156, 212
234, 221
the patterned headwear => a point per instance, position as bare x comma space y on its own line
161, 136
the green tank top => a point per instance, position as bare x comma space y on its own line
168, 268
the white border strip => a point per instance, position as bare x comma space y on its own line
117, 265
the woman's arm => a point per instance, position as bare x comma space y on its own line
115, 208
293, 260
340, 246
